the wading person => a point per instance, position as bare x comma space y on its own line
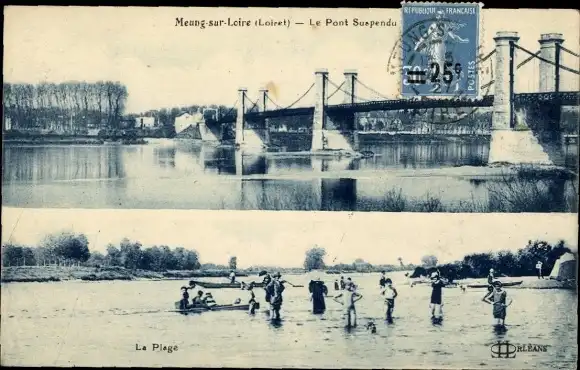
342, 283
275, 289
348, 299
539, 268
383, 280
436, 305
265, 282
232, 276
491, 277
336, 285
390, 294
498, 298
318, 291
252, 302
184, 298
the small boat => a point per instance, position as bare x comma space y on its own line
224, 307
511, 283
238, 285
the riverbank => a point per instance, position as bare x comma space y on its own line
70, 141
528, 282
28, 274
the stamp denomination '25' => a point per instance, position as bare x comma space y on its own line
440, 43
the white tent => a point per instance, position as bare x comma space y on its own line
564, 268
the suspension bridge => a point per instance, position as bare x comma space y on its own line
333, 126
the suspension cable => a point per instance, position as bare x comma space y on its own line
528, 59
486, 57
347, 92
548, 61
488, 84
273, 102
570, 51
231, 110
300, 98
371, 89
335, 91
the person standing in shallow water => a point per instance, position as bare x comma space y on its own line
349, 298
265, 282
390, 294
539, 269
342, 283
498, 298
436, 305
318, 291
275, 289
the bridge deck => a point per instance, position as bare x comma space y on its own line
562, 98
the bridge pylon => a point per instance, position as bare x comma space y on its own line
240, 117
332, 132
550, 50
507, 144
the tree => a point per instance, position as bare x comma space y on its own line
401, 261
314, 258
429, 261
68, 247
233, 262
96, 259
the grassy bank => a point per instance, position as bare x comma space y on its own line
61, 273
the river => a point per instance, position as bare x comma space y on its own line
103, 324
183, 174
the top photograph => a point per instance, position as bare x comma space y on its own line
427, 107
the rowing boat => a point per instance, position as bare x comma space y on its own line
511, 283
238, 285
225, 307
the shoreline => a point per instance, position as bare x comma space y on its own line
42, 274
47, 274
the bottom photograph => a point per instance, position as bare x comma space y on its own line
255, 289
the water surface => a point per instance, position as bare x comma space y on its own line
183, 174
100, 324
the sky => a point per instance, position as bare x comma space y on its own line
280, 238
166, 66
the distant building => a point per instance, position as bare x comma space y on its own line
185, 120
145, 122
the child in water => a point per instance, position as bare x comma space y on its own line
349, 298
498, 298
390, 294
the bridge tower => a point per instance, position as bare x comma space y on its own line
550, 50
333, 132
240, 117
350, 76
503, 112
507, 144
319, 117
262, 107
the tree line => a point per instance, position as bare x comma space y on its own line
70, 249
70, 107
477, 265
314, 260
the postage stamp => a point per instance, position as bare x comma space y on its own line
440, 42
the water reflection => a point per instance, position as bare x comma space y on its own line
189, 175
